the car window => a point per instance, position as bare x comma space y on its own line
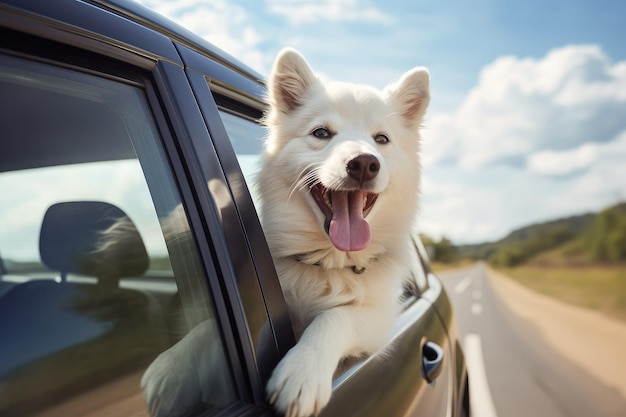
99, 275
247, 135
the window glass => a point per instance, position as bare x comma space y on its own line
247, 137
100, 281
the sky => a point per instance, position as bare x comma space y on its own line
527, 120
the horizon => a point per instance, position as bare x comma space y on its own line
540, 223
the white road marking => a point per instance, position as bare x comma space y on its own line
477, 308
480, 395
462, 286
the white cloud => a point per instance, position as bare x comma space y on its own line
586, 156
310, 11
571, 97
564, 162
227, 25
483, 205
535, 139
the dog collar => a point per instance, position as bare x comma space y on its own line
357, 269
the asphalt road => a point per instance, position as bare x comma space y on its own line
513, 372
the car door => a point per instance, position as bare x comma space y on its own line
114, 249
413, 376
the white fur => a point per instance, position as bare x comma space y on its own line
188, 373
336, 313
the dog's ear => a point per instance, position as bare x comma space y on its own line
410, 95
289, 81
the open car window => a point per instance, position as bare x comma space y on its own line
247, 135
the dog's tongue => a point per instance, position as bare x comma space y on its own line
348, 229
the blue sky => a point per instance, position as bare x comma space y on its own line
528, 114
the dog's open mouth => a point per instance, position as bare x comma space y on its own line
345, 213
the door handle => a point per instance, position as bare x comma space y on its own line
432, 361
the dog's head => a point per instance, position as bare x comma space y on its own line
346, 149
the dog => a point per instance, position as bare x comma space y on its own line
337, 192
338, 189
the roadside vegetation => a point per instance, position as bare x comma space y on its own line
601, 288
579, 260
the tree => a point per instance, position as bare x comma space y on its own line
441, 251
606, 237
445, 251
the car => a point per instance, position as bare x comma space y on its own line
115, 119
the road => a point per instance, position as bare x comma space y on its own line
513, 370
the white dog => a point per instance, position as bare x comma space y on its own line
338, 190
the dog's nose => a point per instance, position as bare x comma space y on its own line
363, 167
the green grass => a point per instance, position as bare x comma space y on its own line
598, 287
567, 273
569, 254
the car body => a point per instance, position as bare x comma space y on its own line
110, 112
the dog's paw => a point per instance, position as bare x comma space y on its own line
300, 385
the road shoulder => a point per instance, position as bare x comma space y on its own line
592, 340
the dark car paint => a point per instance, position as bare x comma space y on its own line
178, 68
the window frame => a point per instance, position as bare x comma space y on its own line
209, 78
199, 165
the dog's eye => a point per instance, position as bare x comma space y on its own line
321, 133
381, 139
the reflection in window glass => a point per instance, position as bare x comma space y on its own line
99, 275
